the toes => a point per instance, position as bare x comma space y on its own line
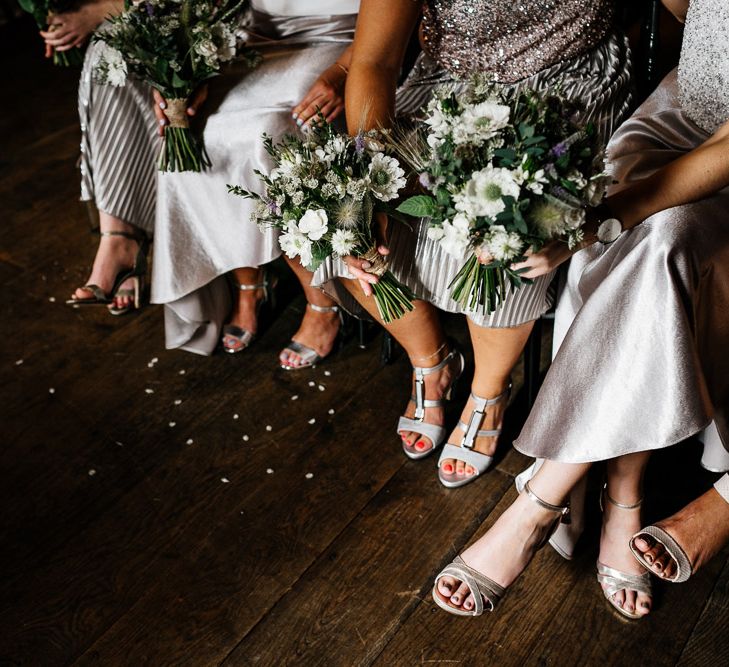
407, 437
619, 598
629, 604
660, 564
422, 445
643, 604
671, 569
460, 595
460, 467
470, 470
643, 543
655, 552
446, 586
448, 466
468, 603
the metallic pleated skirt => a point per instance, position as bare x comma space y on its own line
119, 146
644, 361
599, 80
202, 231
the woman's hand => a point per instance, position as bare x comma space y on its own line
71, 29
545, 261
358, 266
326, 95
160, 104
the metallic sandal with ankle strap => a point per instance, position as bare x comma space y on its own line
684, 569
137, 273
486, 592
309, 356
613, 580
465, 451
416, 424
244, 337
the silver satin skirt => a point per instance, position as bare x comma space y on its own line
644, 364
599, 80
202, 232
119, 146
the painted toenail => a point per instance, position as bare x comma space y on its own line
420, 445
448, 467
454, 599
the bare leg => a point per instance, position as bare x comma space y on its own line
421, 334
115, 253
245, 304
701, 528
506, 549
318, 330
496, 352
625, 486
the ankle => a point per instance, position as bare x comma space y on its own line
423, 359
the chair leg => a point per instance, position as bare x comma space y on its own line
386, 348
532, 356
362, 334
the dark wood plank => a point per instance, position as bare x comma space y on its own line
259, 541
348, 605
709, 641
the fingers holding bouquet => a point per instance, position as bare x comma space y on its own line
542, 262
70, 29
161, 106
325, 98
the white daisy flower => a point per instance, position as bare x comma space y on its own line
484, 192
343, 242
385, 177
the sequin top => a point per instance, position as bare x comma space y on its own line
511, 39
703, 71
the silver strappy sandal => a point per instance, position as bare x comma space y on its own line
243, 337
613, 580
136, 274
486, 592
309, 356
465, 451
416, 424
684, 569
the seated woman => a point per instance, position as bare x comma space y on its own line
644, 364
204, 237
569, 46
118, 151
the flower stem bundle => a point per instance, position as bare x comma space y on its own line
505, 173
323, 194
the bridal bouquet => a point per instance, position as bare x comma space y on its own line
173, 45
42, 11
323, 193
505, 173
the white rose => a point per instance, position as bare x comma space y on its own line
314, 223
206, 48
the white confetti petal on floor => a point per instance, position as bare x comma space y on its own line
19, 362
225, 480
322, 387
150, 365
149, 391
327, 373
312, 421
92, 472
269, 471
155, 360
269, 427
121, 444
309, 475
52, 299
311, 383
173, 424
51, 391
295, 397
235, 416
331, 411
189, 441
246, 438
178, 401
182, 372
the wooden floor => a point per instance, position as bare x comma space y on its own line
161, 508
